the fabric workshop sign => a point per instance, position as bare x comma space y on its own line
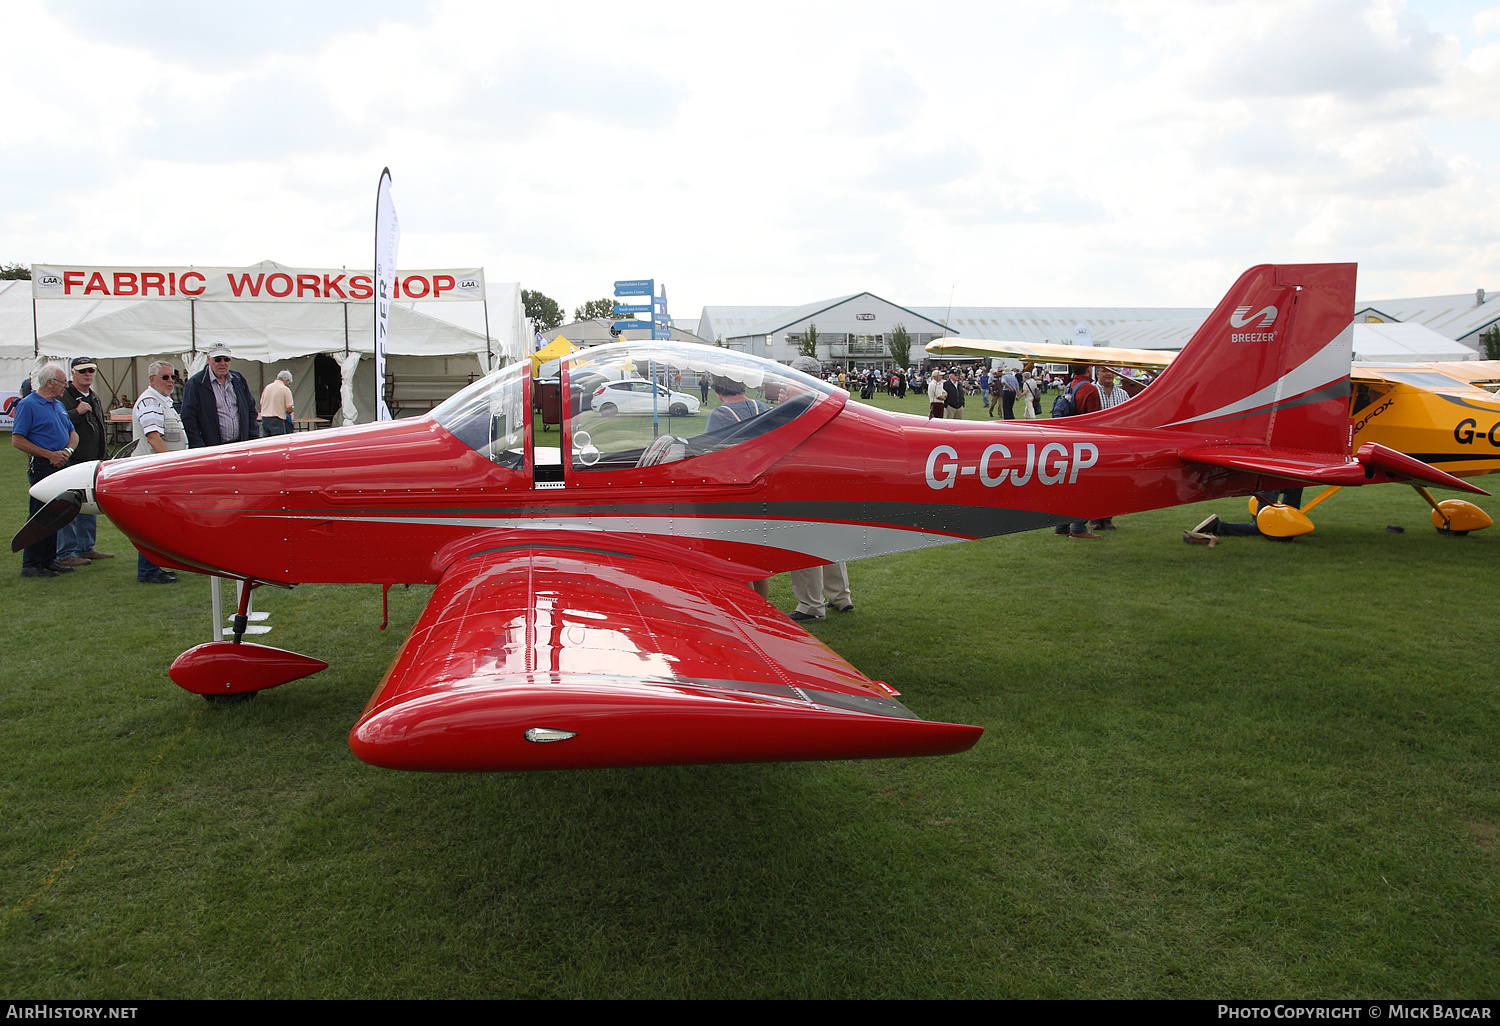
248, 284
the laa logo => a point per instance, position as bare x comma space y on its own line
1242, 316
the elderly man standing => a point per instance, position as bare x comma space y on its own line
156, 427
953, 396
935, 395
276, 406
816, 587
44, 433
216, 404
75, 542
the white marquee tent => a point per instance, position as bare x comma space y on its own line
434, 348
1399, 342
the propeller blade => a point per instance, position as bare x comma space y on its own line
53, 517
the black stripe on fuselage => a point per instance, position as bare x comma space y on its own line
943, 518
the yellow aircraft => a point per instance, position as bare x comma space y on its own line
1444, 414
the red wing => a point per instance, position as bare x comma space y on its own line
626, 662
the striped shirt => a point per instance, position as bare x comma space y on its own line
1111, 396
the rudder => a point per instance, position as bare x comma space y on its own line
1270, 365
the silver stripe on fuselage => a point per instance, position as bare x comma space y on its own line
831, 542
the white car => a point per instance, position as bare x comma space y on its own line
634, 395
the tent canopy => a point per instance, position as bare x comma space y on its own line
434, 347
494, 330
264, 332
1406, 342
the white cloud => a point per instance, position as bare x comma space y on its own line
1139, 153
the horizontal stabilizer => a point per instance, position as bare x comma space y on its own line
1322, 468
1398, 464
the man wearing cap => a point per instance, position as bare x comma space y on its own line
44, 433
735, 406
216, 404
75, 542
953, 396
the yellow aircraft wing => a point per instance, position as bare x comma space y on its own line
1464, 379
1050, 352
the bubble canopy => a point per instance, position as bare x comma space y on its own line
638, 404
649, 403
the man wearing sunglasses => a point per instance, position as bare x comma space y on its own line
75, 542
216, 404
156, 427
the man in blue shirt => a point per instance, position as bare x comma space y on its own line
44, 433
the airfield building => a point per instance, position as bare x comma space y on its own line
854, 330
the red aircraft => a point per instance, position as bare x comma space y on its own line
591, 606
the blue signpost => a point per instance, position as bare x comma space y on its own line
660, 321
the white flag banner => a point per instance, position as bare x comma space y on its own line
387, 241
264, 283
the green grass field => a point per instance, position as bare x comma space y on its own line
1258, 770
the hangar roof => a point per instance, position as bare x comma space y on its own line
1456, 317
1049, 323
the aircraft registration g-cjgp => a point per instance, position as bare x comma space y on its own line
591, 606
1438, 413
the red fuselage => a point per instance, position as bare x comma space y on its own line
398, 502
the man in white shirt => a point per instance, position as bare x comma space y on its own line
156, 427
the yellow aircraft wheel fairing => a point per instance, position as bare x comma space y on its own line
1461, 516
1278, 521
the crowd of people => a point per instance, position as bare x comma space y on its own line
62, 422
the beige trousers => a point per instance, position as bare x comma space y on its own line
810, 586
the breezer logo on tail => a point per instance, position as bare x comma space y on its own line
1242, 316
1269, 366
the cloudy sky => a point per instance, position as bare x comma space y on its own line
1136, 153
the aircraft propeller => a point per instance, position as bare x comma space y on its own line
53, 517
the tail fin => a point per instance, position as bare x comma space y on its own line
1270, 365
